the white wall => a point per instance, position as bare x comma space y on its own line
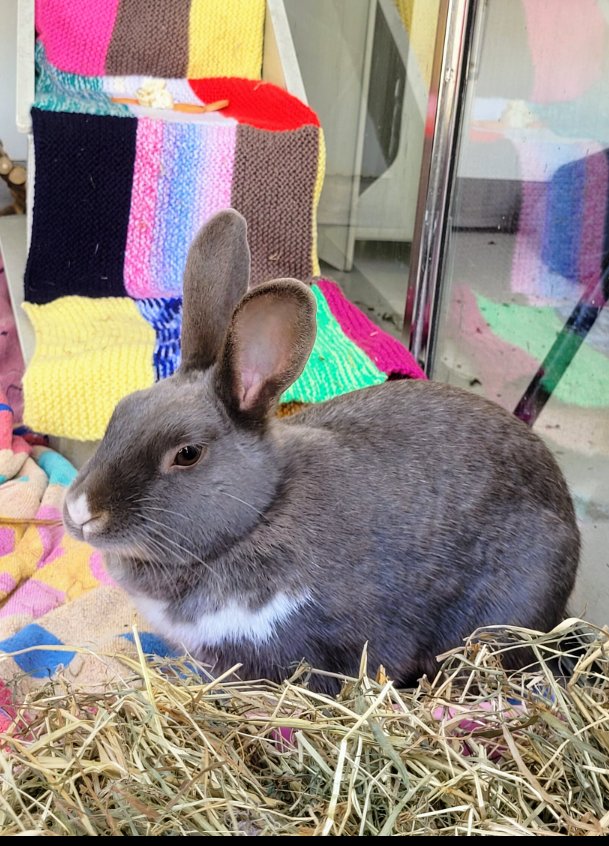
14, 142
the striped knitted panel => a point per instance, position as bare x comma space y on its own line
336, 365
91, 353
183, 175
140, 190
84, 168
183, 156
388, 354
139, 281
165, 38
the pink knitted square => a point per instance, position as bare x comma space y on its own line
76, 35
140, 232
387, 353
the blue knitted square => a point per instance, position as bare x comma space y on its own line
165, 317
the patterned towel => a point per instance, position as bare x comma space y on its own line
11, 359
53, 590
172, 38
33, 480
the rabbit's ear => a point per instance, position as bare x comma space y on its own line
216, 277
268, 343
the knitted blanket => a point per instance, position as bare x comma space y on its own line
121, 191
119, 198
92, 352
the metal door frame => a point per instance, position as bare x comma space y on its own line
458, 33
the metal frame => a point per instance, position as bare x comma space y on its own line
457, 24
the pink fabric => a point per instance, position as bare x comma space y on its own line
566, 41
140, 232
386, 352
215, 180
11, 360
99, 571
33, 599
76, 33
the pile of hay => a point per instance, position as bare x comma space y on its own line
476, 751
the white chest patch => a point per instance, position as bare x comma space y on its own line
235, 622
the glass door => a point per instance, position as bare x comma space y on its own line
516, 309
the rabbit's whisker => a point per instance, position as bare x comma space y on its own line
167, 540
248, 504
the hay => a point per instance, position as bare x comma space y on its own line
475, 751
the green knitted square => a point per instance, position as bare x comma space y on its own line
336, 366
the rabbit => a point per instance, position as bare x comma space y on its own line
401, 516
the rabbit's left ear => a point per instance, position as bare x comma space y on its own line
267, 346
216, 277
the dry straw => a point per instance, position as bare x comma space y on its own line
477, 751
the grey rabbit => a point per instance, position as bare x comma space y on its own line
404, 515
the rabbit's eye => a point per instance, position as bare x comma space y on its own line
188, 455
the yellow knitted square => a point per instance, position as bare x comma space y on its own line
319, 184
225, 38
89, 354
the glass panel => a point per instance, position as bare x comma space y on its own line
529, 241
366, 67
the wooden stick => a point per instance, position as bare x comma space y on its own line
179, 107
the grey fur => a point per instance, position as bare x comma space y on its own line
409, 514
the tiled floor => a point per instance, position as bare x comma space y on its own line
377, 283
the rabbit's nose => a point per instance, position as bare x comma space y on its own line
79, 512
